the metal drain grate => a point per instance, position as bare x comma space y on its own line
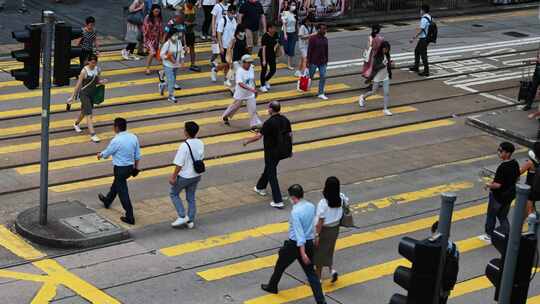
516, 34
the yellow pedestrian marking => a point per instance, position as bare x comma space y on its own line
171, 109
258, 155
412, 196
222, 240
54, 277
534, 300
356, 277
138, 98
171, 147
353, 240
130, 71
15, 244
128, 83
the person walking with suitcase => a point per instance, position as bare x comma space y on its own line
126, 154
277, 135
299, 246
420, 52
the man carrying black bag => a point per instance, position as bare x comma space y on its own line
277, 134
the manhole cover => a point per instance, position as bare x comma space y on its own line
516, 34
89, 224
477, 25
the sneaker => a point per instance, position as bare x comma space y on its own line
387, 112
413, 69
485, 238
226, 121
261, 192
297, 73
95, 138
279, 205
125, 54
180, 221
161, 88
322, 96
424, 74
213, 75
190, 225
263, 89
267, 85
227, 83
177, 87
335, 276
203, 37
525, 107
77, 128
194, 68
172, 99
361, 101
134, 57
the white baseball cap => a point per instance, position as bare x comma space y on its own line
247, 58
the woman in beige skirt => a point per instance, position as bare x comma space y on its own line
329, 213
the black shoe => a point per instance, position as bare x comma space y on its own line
335, 276
423, 74
68, 107
194, 68
526, 108
104, 200
413, 69
126, 220
267, 288
226, 121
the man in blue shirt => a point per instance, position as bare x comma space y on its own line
421, 47
299, 246
126, 153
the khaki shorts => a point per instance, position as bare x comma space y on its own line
252, 38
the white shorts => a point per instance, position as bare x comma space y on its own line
303, 52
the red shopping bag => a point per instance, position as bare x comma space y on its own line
304, 83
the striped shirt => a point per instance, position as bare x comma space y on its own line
88, 40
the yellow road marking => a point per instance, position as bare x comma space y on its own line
15, 244
356, 277
353, 240
222, 240
88, 160
124, 84
129, 71
413, 196
258, 155
192, 106
54, 277
534, 300
137, 98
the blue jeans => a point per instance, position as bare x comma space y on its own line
190, 185
322, 73
170, 74
289, 44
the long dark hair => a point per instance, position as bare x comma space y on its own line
385, 45
331, 192
151, 13
375, 30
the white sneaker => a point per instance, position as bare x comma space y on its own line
268, 86
95, 138
261, 192
125, 54
172, 99
387, 112
177, 86
134, 57
297, 73
227, 83
77, 128
213, 75
180, 221
161, 88
485, 238
191, 225
263, 89
322, 96
361, 101
277, 205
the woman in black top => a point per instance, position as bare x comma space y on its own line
267, 54
239, 45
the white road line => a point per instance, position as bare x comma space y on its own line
497, 98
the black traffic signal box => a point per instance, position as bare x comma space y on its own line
30, 56
64, 52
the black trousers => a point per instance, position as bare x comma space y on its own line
207, 19
270, 176
131, 47
497, 211
288, 253
420, 52
119, 187
267, 74
534, 86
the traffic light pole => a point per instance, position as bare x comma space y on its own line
445, 222
48, 19
512, 249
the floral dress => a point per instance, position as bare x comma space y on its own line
152, 33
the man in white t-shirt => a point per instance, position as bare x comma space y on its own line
245, 91
184, 175
219, 10
226, 26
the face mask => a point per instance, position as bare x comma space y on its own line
231, 17
241, 36
293, 8
174, 38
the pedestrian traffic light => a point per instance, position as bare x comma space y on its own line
525, 261
64, 52
420, 279
30, 56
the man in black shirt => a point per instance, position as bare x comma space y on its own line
277, 138
252, 16
502, 190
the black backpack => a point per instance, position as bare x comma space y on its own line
432, 31
451, 269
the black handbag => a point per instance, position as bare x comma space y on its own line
198, 165
525, 84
